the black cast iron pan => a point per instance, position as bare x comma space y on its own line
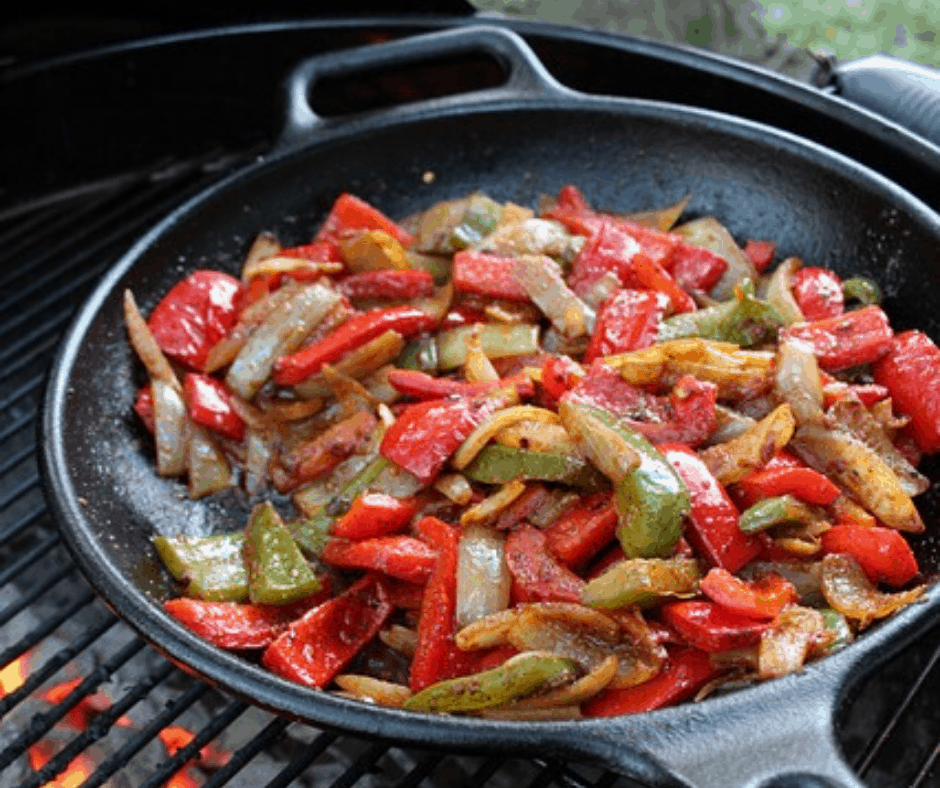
527, 137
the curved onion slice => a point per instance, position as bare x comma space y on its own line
533, 435
487, 509
848, 590
146, 347
208, 469
482, 574
798, 381
355, 364
277, 264
400, 639
265, 244
662, 219
260, 451
438, 303
786, 644
480, 436
732, 461
541, 278
848, 461
455, 487
578, 691
382, 693
780, 294
478, 368
493, 630
603, 446
730, 425
711, 234
170, 427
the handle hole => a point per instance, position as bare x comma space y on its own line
390, 86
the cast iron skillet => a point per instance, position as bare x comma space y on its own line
527, 137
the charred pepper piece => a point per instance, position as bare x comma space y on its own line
212, 567
277, 572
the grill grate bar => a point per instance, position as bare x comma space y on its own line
35, 591
54, 664
548, 774
38, 343
897, 716
361, 765
487, 769
20, 423
15, 529
25, 559
266, 737
28, 227
219, 723
27, 484
28, 387
421, 770
15, 458
41, 724
102, 724
925, 771
146, 735
299, 765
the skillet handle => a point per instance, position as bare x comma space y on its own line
526, 77
907, 93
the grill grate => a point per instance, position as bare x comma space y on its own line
53, 629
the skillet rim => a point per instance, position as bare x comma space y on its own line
230, 672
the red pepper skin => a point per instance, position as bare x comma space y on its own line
686, 416
209, 403
403, 557
818, 293
537, 575
580, 534
375, 514
355, 332
652, 275
350, 213
143, 407
559, 375
425, 434
762, 598
686, 671
436, 655
697, 268
406, 596
868, 393
422, 386
710, 627
713, 521
760, 253
858, 337
608, 249
238, 627
197, 312
628, 320
883, 553
487, 275
911, 372
316, 647
805, 483
316, 252
391, 284
612, 555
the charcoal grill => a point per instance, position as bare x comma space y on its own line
66, 216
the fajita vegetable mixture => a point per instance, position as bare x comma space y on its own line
537, 464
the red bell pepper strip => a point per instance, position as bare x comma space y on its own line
612, 555
711, 627
818, 292
375, 514
316, 252
652, 275
209, 403
235, 626
686, 671
355, 332
436, 656
686, 416
834, 389
713, 521
406, 596
426, 434
143, 407
197, 312
349, 213
404, 557
422, 386
609, 249
760, 253
769, 482
559, 375
762, 598
858, 337
537, 575
581, 533
628, 320
487, 275
463, 315
697, 268
316, 647
534, 499
883, 553
911, 372
388, 284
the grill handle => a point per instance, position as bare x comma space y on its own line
907, 93
526, 77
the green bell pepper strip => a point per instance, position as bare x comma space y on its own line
480, 217
838, 624
212, 567
651, 499
518, 676
744, 320
497, 464
312, 533
776, 511
861, 289
640, 581
277, 571
419, 354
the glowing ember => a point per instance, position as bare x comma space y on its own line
13, 675
78, 770
211, 757
79, 717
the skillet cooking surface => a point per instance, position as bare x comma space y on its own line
624, 155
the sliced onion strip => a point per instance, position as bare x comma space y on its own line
485, 431
483, 578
